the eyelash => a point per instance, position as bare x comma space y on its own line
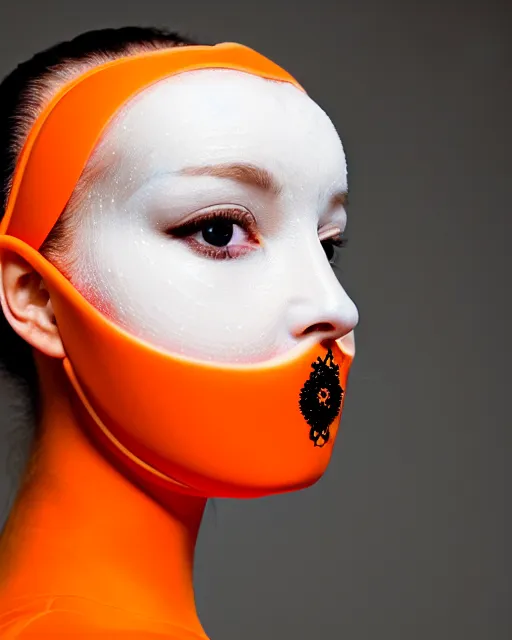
332, 243
245, 220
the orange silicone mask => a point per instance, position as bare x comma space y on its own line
195, 427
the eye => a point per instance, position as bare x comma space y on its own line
330, 245
220, 234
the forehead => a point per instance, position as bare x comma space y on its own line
223, 115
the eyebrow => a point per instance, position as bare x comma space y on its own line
251, 174
240, 172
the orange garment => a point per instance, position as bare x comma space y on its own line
87, 551
65, 617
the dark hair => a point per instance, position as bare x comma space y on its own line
23, 94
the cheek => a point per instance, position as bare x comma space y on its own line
155, 288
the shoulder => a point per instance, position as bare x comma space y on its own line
49, 618
46, 624
38, 619
64, 624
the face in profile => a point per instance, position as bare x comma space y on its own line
206, 226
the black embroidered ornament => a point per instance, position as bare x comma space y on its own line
320, 398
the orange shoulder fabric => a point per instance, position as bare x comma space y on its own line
45, 618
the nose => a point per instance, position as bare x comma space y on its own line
320, 305
328, 321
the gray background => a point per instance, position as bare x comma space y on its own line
405, 536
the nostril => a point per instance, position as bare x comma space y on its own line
320, 327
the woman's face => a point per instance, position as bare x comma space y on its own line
204, 236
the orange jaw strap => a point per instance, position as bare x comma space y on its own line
179, 423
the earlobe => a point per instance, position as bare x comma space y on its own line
27, 306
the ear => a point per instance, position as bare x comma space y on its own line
27, 306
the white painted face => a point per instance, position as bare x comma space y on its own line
199, 257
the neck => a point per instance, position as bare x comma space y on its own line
80, 527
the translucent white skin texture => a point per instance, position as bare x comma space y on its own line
245, 309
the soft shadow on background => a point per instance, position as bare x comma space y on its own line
405, 535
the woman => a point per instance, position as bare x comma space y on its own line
170, 214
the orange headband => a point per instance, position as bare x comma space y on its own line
67, 131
